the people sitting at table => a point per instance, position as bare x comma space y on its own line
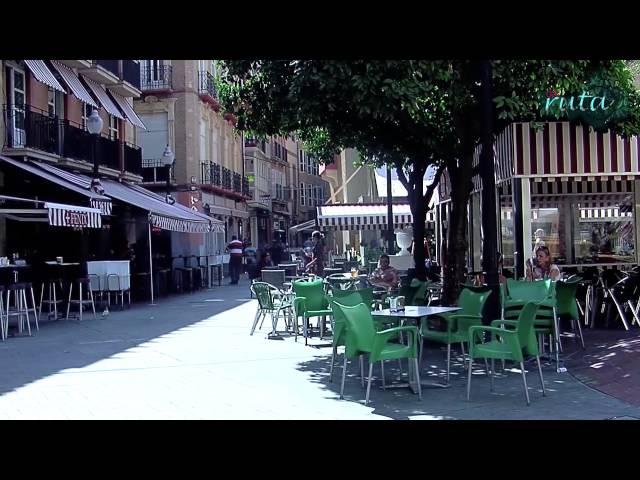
264, 261
385, 275
544, 268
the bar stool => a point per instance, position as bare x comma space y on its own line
81, 302
51, 285
21, 306
2, 317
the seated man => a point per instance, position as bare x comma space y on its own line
385, 275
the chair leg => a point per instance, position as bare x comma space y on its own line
384, 383
255, 321
42, 297
69, 302
93, 305
35, 314
544, 391
419, 385
26, 310
344, 374
469, 378
55, 302
264, 315
362, 371
524, 382
421, 351
486, 366
334, 351
366, 402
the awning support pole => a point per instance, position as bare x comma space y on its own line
150, 263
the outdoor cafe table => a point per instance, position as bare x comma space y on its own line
415, 314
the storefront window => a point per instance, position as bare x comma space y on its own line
604, 234
548, 229
508, 237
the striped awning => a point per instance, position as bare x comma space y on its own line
74, 83
128, 110
301, 227
176, 217
71, 216
102, 96
562, 149
365, 216
43, 74
612, 214
103, 205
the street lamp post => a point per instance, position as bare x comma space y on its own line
168, 157
94, 126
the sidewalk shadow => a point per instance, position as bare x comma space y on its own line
71, 344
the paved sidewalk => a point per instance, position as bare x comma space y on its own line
191, 357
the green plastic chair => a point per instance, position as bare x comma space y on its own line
310, 301
361, 338
505, 345
349, 298
458, 323
519, 293
270, 302
567, 306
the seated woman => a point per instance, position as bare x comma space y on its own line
544, 268
385, 275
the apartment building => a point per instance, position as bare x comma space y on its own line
180, 106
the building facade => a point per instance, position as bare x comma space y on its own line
46, 106
180, 106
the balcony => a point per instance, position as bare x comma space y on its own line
80, 64
30, 128
210, 174
133, 159
207, 89
129, 84
77, 145
226, 178
156, 79
154, 171
105, 72
245, 187
237, 183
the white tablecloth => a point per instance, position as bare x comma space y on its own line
111, 267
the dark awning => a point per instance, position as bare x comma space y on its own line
56, 214
176, 217
64, 179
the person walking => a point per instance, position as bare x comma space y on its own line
235, 248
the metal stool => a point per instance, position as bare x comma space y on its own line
52, 298
21, 306
81, 302
2, 317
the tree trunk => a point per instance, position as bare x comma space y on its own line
419, 212
457, 248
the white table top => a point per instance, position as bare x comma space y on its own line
62, 264
14, 266
414, 312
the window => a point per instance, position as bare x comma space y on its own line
302, 196
113, 127
51, 102
301, 160
17, 98
310, 195
86, 113
309, 163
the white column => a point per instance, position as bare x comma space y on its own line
527, 239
